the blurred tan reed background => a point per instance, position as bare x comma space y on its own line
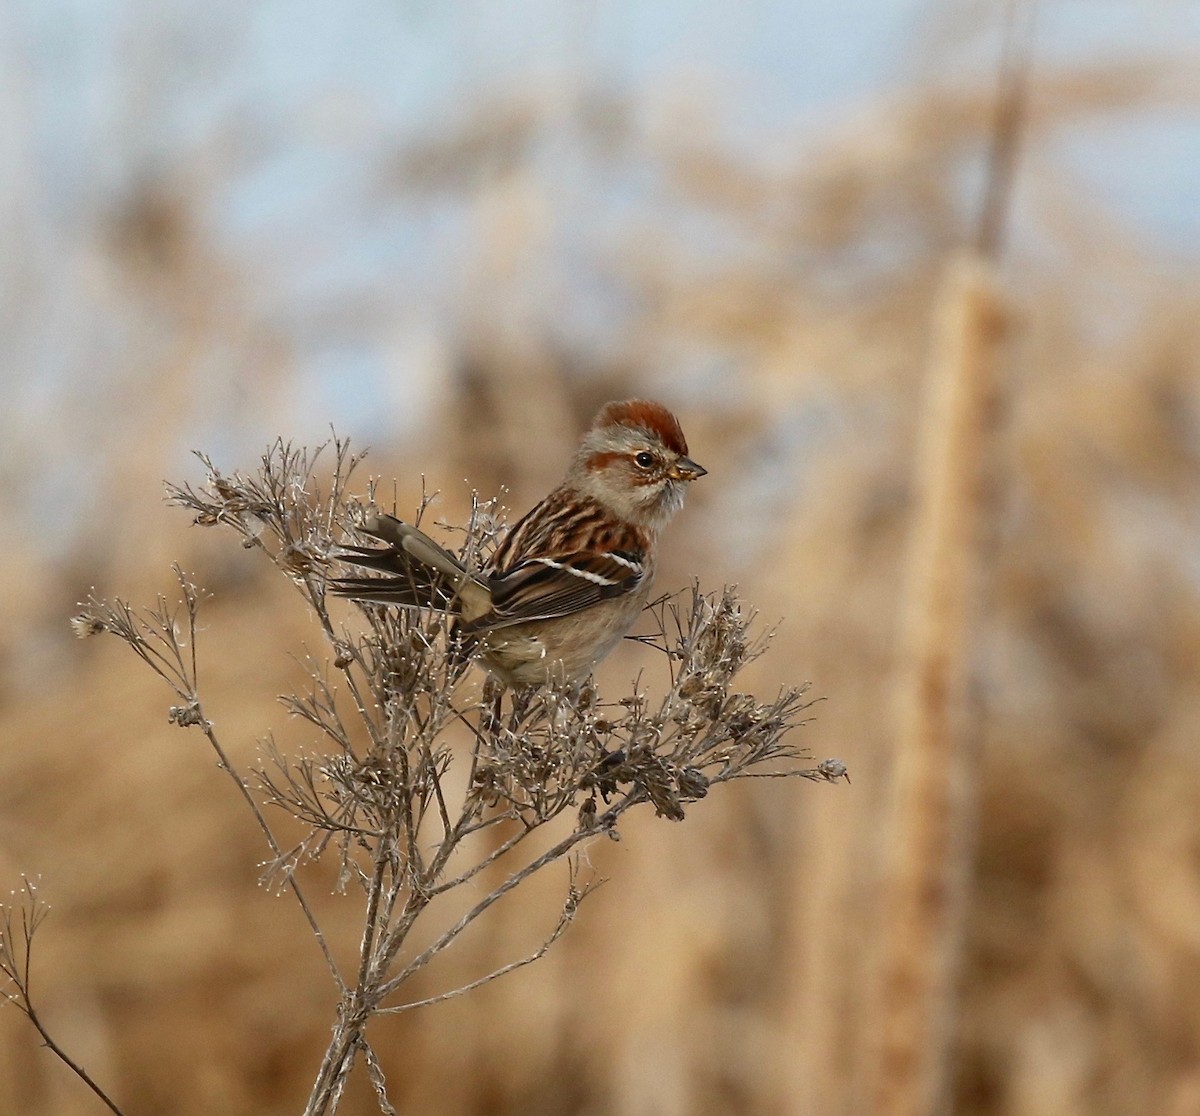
452, 235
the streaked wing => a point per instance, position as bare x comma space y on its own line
405, 582
543, 588
408, 592
419, 573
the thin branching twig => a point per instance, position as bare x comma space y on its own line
16, 956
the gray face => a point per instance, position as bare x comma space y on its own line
629, 470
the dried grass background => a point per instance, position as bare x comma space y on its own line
789, 316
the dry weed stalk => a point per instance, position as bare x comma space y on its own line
378, 794
932, 826
18, 923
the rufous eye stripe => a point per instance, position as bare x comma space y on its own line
603, 460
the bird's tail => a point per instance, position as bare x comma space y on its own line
414, 571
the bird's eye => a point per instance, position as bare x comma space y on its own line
644, 460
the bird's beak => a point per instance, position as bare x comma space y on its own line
685, 469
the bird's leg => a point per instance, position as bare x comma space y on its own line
522, 700
490, 706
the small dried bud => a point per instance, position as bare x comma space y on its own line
693, 783
833, 769
666, 801
374, 772
687, 717
222, 487
741, 720
486, 785
586, 697
610, 760
655, 779
296, 559
85, 625
185, 715
603, 776
338, 770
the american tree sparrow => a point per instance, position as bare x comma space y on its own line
570, 578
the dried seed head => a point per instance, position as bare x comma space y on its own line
85, 625
296, 559
185, 715
693, 783
222, 486
833, 769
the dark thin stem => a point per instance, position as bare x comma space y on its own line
20, 973
369, 930
65, 1058
563, 922
505, 846
1012, 95
358, 1008
552, 854
244, 790
436, 780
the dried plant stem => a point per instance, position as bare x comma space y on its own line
930, 839
563, 922
374, 987
71, 1064
292, 885
1012, 95
16, 954
556, 852
378, 797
